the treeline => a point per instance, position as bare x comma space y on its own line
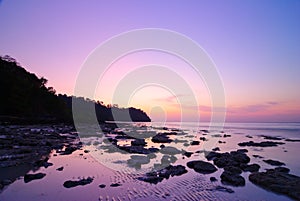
25, 97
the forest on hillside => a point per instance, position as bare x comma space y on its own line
26, 98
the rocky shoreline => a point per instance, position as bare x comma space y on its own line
29, 146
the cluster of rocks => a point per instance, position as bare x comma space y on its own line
233, 163
157, 176
81, 182
30, 145
260, 144
278, 180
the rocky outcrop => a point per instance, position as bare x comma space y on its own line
82, 182
278, 180
202, 167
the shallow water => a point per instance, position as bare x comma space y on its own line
108, 166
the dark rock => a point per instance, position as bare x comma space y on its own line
249, 136
161, 138
260, 144
274, 162
226, 135
216, 149
278, 181
233, 158
202, 167
82, 182
195, 143
102, 186
292, 140
203, 138
242, 150
257, 156
172, 171
233, 169
188, 154
282, 169
138, 142
232, 179
86, 151
60, 169
115, 185
165, 173
204, 131
30, 177
213, 179
211, 155
250, 168
271, 137
221, 142
69, 150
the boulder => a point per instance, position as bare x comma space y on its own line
274, 162
278, 180
232, 179
202, 167
82, 182
260, 144
30, 177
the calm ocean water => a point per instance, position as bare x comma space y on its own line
107, 167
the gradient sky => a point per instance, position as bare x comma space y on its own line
254, 44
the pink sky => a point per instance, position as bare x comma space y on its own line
255, 46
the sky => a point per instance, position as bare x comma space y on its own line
255, 46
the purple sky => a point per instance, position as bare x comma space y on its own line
254, 44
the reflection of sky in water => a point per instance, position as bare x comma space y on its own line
102, 166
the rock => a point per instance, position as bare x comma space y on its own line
274, 162
161, 138
282, 169
216, 149
271, 137
188, 154
233, 158
82, 182
257, 156
232, 179
213, 179
233, 169
249, 136
165, 173
204, 131
226, 135
6, 182
221, 142
195, 143
60, 169
211, 155
279, 181
202, 167
260, 144
170, 150
86, 151
69, 150
203, 138
115, 185
242, 150
138, 142
292, 140
30, 177
250, 168
172, 171
102, 186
